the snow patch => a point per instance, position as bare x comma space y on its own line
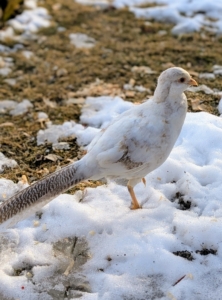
28, 22
14, 107
97, 114
209, 76
219, 107
7, 105
81, 40
6, 162
21, 108
188, 16
132, 252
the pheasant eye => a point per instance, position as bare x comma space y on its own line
182, 80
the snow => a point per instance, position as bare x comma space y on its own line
15, 108
10, 81
27, 54
21, 108
217, 67
98, 3
8, 33
5, 66
97, 113
204, 88
42, 116
6, 162
61, 29
220, 106
201, 88
5, 71
218, 72
187, 16
131, 252
28, 22
6, 105
81, 40
210, 76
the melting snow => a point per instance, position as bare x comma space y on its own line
131, 251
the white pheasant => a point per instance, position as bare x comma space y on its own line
133, 145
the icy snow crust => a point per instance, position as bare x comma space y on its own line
131, 251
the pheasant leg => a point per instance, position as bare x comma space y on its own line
135, 203
144, 181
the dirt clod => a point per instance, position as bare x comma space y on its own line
183, 204
206, 251
185, 254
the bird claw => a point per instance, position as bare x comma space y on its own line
144, 181
133, 206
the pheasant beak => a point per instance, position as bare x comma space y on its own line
192, 82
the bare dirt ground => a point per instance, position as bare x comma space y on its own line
58, 71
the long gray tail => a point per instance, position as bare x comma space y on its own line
29, 200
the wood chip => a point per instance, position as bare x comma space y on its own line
61, 72
142, 70
24, 179
69, 268
197, 105
99, 88
36, 223
193, 73
130, 94
49, 103
26, 134
53, 157
80, 100
43, 172
7, 124
132, 82
168, 65
56, 6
